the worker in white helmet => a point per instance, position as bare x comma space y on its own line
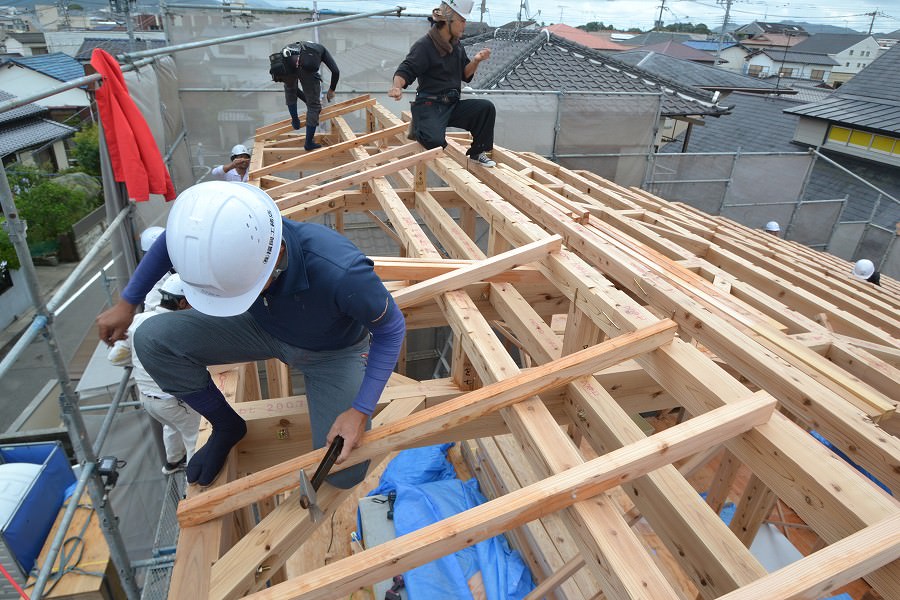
864, 269
236, 170
148, 237
263, 287
180, 422
440, 64
773, 228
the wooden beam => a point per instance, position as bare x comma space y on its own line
524, 505
490, 398
821, 573
427, 290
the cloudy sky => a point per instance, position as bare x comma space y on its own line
642, 13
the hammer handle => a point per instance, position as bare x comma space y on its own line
325, 466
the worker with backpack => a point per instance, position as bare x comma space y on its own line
297, 68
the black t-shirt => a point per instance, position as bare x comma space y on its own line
436, 74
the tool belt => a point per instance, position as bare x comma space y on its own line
448, 97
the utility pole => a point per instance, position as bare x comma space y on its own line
722, 31
483, 10
872, 14
662, 7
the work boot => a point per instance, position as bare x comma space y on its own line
310, 138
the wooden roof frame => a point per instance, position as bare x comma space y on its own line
663, 304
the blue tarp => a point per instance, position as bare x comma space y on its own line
427, 492
840, 453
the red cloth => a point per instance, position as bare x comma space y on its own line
136, 160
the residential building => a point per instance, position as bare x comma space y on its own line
887, 40
29, 75
851, 52
31, 43
861, 118
579, 36
71, 42
27, 137
730, 54
786, 62
56, 17
760, 34
681, 51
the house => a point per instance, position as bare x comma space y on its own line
26, 44
660, 37
843, 126
730, 54
786, 62
114, 46
579, 36
861, 118
851, 52
26, 136
71, 42
759, 34
887, 40
697, 75
681, 51
29, 75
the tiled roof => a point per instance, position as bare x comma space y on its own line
551, 63
584, 38
27, 111
56, 65
871, 99
28, 38
658, 37
807, 89
756, 124
708, 45
679, 50
693, 74
829, 43
804, 58
28, 133
114, 47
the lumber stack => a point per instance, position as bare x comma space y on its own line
617, 303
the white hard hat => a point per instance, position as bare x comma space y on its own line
772, 226
863, 269
461, 7
173, 286
149, 235
223, 239
238, 150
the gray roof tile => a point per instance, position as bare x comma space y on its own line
56, 65
690, 73
28, 133
22, 112
550, 62
114, 47
829, 43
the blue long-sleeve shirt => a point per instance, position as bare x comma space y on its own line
328, 298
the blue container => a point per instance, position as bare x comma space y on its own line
24, 532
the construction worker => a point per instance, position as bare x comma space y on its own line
263, 287
180, 422
303, 81
148, 236
440, 64
865, 269
236, 170
773, 228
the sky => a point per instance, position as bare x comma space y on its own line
642, 13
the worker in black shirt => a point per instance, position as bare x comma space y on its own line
440, 64
304, 81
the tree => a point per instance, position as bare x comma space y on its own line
87, 149
687, 28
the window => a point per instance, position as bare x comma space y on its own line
5, 277
851, 53
785, 72
883, 143
838, 134
860, 138
818, 74
754, 70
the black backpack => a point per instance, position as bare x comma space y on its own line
306, 56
